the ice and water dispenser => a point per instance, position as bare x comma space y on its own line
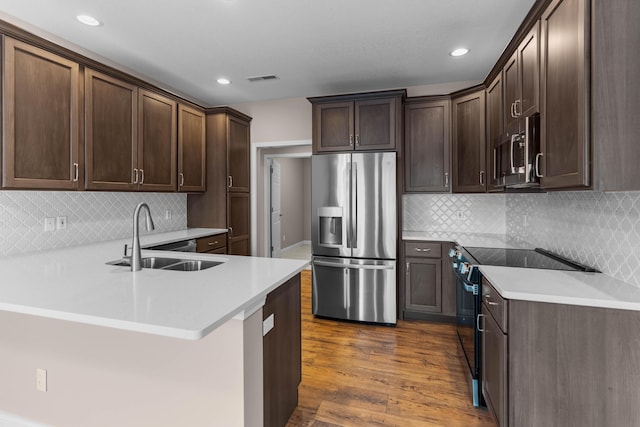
330, 226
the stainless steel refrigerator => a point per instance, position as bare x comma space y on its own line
354, 236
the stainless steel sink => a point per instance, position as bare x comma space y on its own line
192, 265
175, 264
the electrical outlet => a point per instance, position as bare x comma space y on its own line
460, 215
49, 224
167, 215
41, 380
61, 222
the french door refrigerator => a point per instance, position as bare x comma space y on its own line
354, 236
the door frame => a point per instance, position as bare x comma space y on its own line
256, 156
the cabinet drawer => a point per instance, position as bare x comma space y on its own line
422, 249
210, 243
495, 303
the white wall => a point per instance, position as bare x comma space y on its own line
292, 197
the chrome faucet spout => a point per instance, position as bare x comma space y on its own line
136, 254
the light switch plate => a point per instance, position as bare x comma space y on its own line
61, 222
49, 224
41, 379
267, 324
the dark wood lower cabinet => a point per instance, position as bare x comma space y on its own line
216, 244
282, 352
563, 365
428, 291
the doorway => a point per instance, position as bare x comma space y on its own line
288, 206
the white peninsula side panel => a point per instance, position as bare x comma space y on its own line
99, 376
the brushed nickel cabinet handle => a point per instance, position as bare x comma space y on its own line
515, 107
213, 243
538, 156
481, 177
141, 176
77, 172
230, 181
181, 179
423, 250
135, 172
230, 231
351, 140
446, 179
478, 323
357, 139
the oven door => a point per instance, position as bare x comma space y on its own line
467, 310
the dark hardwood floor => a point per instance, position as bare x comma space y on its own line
364, 375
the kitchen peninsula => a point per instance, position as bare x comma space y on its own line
155, 347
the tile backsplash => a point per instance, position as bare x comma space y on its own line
601, 230
91, 217
472, 213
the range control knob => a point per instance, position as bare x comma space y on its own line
465, 267
454, 253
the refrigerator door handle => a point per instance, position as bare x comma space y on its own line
353, 225
354, 266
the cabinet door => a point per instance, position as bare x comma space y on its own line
239, 213
427, 147
157, 134
564, 99
375, 124
494, 131
111, 132
191, 150
333, 127
529, 73
238, 154
511, 92
41, 119
469, 144
282, 353
494, 368
423, 284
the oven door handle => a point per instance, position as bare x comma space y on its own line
478, 323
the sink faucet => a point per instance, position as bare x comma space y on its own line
136, 255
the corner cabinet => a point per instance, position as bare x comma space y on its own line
41, 118
365, 121
226, 201
192, 161
282, 352
469, 143
427, 145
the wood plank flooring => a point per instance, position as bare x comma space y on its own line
364, 375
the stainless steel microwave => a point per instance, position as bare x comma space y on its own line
517, 158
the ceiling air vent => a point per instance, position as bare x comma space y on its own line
255, 79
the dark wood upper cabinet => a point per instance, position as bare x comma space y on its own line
495, 130
238, 154
469, 143
111, 132
367, 121
41, 107
521, 82
565, 141
191, 150
427, 145
157, 136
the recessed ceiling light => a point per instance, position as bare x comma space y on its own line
223, 81
89, 20
459, 52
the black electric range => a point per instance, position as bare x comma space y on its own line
465, 262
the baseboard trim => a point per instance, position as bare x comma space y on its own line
10, 420
295, 245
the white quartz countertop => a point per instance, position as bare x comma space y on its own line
562, 287
176, 236
488, 240
77, 285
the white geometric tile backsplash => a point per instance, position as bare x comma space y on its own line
601, 230
91, 217
469, 213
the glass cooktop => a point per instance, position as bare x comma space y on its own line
526, 258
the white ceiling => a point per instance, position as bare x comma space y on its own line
315, 47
